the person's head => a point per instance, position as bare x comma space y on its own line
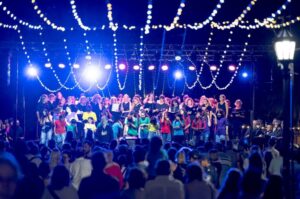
142, 114
232, 181
175, 102
180, 157
155, 144
87, 147
44, 99
172, 152
62, 117
66, 156
139, 155
90, 120
109, 156
83, 100
126, 98
256, 163
269, 127
62, 101
59, 95
162, 168
177, 117
238, 103
136, 179
190, 102
222, 98
161, 99
68, 110
10, 173
52, 97
60, 178
194, 172
98, 161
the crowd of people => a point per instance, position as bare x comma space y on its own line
141, 148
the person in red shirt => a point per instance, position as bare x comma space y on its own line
113, 169
165, 127
198, 125
60, 129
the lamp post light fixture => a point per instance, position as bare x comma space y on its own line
285, 50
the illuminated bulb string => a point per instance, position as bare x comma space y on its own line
267, 20
15, 18
45, 19
236, 21
177, 17
8, 26
149, 17
114, 29
63, 85
76, 16
237, 68
29, 63
141, 59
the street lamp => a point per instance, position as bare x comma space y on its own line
285, 49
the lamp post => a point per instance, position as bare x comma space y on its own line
285, 50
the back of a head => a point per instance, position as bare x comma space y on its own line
98, 161
256, 163
60, 178
8, 159
136, 179
194, 172
172, 154
252, 184
155, 144
232, 181
162, 168
139, 155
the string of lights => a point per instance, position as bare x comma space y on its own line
237, 20
76, 16
141, 59
45, 19
8, 26
149, 17
15, 18
49, 65
177, 17
237, 67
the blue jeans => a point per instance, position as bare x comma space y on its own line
152, 134
46, 135
166, 137
60, 138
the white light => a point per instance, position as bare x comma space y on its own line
88, 57
192, 68
122, 66
61, 65
165, 67
48, 65
136, 67
231, 67
213, 67
32, 71
76, 66
91, 73
177, 57
285, 50
107, 66
178, 74
245, 74
151, 67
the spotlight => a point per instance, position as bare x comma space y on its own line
213, 67
32, 71
122, 66
151, 67
178, 74
48, 65
231, 67
192, 68
107, 66
136, 67
76, 66
91, 73
61, 65
164, 67
88, 57
177, 57
245, 75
